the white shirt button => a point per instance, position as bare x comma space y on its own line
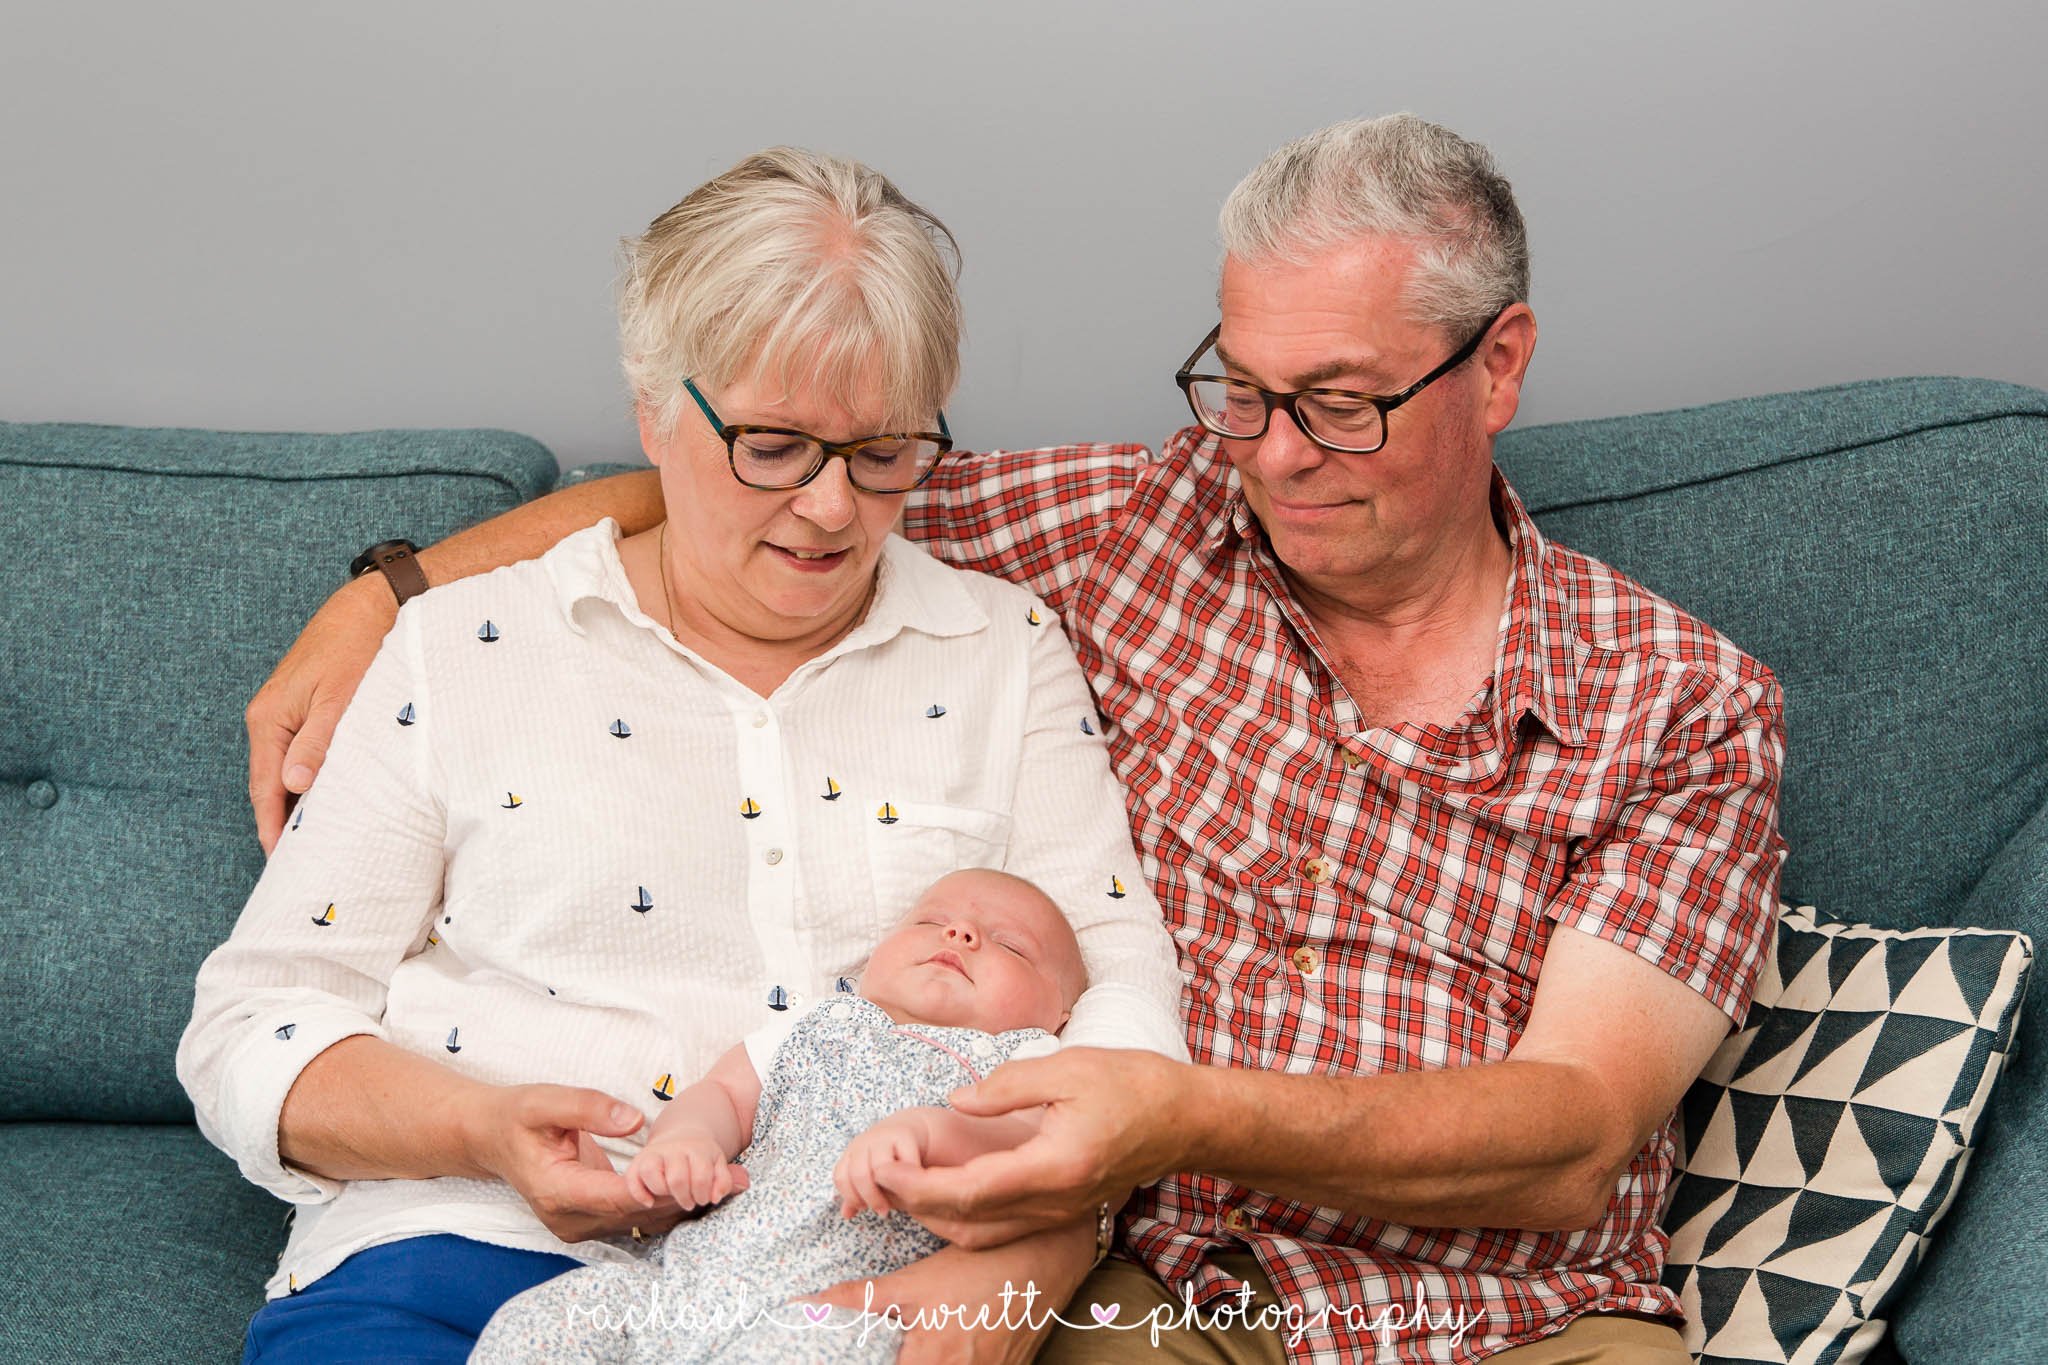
842, 1010
797, 999
772, 856
984, 1047
760, 719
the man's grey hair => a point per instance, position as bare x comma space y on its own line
1396, 176
797, 269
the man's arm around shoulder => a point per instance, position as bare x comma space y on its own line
292, 716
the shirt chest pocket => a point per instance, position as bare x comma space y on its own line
912, 844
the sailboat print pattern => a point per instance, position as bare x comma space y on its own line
578, 779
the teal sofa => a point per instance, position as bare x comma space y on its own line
1880, 545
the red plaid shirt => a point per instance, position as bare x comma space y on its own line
1351, 901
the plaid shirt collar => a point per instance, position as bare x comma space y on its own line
1536, 668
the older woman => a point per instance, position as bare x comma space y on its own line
591, 818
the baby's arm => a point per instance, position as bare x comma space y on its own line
925, 1136
689, 1151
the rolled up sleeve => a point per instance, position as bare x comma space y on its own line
349, 892
1686, 877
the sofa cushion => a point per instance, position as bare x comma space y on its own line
128, 1242
158, 576
1827, 1137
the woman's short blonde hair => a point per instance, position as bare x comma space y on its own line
797, 268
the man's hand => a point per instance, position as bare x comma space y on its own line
294, 713
1041, 1274
1111, 1123
684, 1165
528, 1137
898, 1142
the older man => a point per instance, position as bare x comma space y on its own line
1469, 843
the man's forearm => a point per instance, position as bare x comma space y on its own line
633, 500
365, 1109
1042, 1271
1516, 1144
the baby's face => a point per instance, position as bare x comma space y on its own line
979, 950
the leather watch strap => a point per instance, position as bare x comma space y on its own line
400, 567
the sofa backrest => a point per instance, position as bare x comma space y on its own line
154, 579
1884, 548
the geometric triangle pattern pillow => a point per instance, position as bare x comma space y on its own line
1827, 1137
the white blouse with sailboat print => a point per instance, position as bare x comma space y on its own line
551, 844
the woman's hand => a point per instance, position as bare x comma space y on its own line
527, 1136
685, 1166
293, 714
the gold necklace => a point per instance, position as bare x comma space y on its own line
668, 597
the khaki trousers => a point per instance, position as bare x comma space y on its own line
1593, 1339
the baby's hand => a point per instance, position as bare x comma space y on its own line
686, 1166
900, 1138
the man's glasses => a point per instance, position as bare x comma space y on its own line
782, 457
1342, 420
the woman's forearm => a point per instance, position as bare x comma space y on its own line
365, 1109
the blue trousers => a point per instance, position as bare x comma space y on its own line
419, 1300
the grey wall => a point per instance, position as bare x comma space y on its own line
382, 214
